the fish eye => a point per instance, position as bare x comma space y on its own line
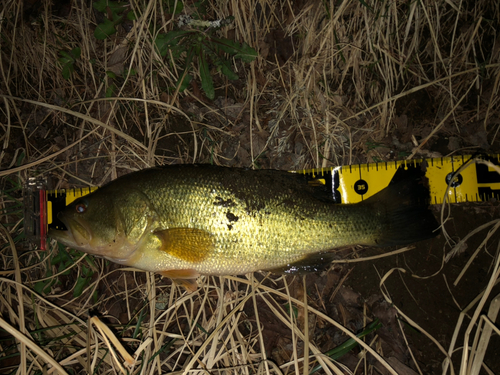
81, 208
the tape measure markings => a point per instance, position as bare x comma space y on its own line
356, 183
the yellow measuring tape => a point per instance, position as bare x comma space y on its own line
354, 183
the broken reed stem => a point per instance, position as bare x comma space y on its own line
494, 279
484, 331
110, 338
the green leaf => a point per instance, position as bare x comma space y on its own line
89, 260
222, 64
39, 287
131, 16
67, 60
201, 6
242, 51
110, 74
177, 33
64, 268
43, 287
81, 284
177, 51
161, 43
185, 82
246, 54
64, 60
109, 91
295, 310
105, 29
187, 78
65, 56
226, 70
178, 7
206, 79
62, 256
86, 271
75, 53
67, 70
366, 5
132, 72
115, 6
20, 159
167, 41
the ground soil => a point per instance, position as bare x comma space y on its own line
425, 292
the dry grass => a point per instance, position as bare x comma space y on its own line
331, 80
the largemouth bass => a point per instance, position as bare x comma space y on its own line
189, 220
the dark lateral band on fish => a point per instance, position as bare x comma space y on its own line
188, 220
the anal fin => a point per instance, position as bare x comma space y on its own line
316, 262
185, 278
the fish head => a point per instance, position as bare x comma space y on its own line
106, 223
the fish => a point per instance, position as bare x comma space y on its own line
183, 221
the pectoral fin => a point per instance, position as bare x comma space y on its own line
189, 244
185, 278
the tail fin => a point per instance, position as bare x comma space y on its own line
404, 211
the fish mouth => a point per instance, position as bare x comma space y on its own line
77, 235
62, 236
